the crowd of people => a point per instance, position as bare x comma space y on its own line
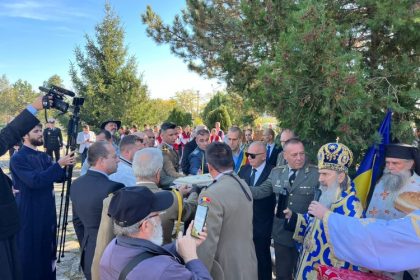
134, 221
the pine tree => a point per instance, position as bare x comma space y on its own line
108, 76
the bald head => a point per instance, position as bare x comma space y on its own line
256, 153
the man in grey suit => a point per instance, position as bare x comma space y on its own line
295, 184
87, 194
229, 251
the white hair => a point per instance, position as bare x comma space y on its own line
147, 162
127, 231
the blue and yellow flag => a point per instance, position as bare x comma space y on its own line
369, 169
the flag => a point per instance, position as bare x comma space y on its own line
370, 168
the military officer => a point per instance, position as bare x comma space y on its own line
53, 139
170, 170
294, 183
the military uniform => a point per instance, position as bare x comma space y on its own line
197, 161
300, 194
53, 141
170, 170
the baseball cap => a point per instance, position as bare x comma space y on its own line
130, 205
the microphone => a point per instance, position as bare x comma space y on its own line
317, 192
317, 195
44, 89
63, 90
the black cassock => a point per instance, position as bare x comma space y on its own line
9, 217
34, 174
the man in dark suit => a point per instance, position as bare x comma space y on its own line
272, 150
9, 216
53, 140
87, 194
254, 174
295, 184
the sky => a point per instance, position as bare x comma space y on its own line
38, 38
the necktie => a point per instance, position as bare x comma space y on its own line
292, 176
252, 177
268, 152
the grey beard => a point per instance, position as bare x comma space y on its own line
157, 237
394, 182
329, 194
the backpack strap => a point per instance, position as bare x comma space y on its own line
134, 262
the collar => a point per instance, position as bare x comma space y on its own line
260, 168
149, 246
223, 173
96, 170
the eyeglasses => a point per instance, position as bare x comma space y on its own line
151, 216
252, 155
141, 140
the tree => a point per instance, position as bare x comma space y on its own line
108, 76
240, 112
189, 101
324, 68
14, 97
221, 115
179, 117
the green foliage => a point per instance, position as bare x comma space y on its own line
180, 117
240, 112
189, 101
220, 114
14, 98
108, 76
326, 69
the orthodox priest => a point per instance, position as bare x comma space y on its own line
338, 194
9, 217
34, 174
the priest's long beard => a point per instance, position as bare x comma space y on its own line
157, 237
329, 194
394, 182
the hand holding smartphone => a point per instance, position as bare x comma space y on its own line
199, 220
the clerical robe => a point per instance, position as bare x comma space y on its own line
376, 244
311, 233
381, 206
33, 174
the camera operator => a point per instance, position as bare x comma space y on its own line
34, 174
9, 219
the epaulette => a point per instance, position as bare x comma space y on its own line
309, 167
280, 167
164, 148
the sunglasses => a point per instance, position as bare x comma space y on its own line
252, 155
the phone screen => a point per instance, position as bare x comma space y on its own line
199, 220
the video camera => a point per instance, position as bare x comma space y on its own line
57, 93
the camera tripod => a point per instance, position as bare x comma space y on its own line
72, 129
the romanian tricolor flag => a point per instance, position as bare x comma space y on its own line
370, 168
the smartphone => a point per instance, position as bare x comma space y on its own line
199, 220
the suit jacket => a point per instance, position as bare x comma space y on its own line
272, 160
229, 251
87, 194
263, 208
170, 169
188, 149
301, 193
9, 136
168, 219
81, 138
